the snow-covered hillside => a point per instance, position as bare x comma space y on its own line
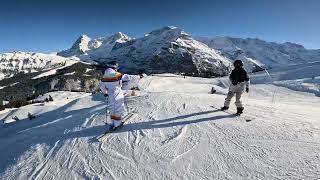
177, 134
12, 63
301, 77
258, 53
165, 50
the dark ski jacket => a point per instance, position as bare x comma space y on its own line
238, 75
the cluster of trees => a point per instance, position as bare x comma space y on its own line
16, 118
17, 103
2, 107
30, 117
23, 102
25, 88
49, 99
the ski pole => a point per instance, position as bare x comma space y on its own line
107, 109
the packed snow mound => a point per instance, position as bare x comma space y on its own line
257, 53
164, 50
12, 63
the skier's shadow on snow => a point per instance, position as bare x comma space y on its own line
48, 128
54, 127
174, 121
149, 124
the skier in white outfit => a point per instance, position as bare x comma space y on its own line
110, 85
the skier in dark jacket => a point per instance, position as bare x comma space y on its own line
239, 82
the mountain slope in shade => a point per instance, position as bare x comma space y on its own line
165, 50
258, 53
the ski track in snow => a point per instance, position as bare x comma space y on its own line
177, 135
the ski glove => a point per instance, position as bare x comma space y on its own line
234, 82
247, 90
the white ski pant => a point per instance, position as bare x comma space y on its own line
236, 90
116, 105
230, 96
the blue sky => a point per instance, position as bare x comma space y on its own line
53, 25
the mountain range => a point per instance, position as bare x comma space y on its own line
257, 53
165, 50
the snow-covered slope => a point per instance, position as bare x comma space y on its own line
258, 53
177, 135
168, 50
300, 77
12, 63
54, 70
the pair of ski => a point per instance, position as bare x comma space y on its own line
107, 133
239, 115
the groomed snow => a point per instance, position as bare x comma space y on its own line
177, 135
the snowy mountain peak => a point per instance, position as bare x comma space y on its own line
84, 37
165, 29
168, 32
79, 47
294, 46
167, 49
257, 53
82, 43
88, 49
119, 37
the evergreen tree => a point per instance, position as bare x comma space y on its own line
2, 107
16, 118
30, 116
50, 98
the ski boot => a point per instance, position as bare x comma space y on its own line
239, 111
224, 108
115, 125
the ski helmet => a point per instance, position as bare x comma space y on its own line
238, 62
113, 65
110, 72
